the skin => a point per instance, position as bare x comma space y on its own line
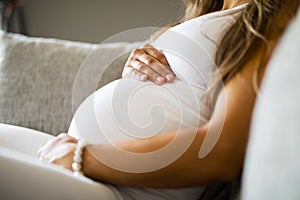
148, 63
223, 163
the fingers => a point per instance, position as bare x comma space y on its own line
43, 152
148, 63
151, 73
130, 72
158, 68
157, 61
156, 54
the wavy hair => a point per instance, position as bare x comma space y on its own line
250, 31
253, 29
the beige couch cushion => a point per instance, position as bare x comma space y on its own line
37, 77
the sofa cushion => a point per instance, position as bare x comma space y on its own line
272, 165
37, 77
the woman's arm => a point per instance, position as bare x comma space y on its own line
234, 104
223, 163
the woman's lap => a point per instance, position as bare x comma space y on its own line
25, 177
22, 140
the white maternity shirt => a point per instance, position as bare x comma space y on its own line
128, 109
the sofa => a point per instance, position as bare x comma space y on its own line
38, 90
38, 76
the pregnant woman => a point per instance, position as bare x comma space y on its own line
196, 140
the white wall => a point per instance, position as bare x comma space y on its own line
96, 20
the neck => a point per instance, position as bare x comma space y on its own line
233, 3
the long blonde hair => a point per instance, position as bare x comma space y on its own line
250, 31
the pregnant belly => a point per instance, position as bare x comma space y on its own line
128, 109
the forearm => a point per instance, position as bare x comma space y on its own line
230, 122
187, 170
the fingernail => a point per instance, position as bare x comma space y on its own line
169, 77
143, 77
160, 79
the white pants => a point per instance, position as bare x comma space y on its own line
22, 176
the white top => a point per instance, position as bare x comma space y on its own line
190, 47
128, 109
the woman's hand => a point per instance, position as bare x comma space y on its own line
148, 63
59, 151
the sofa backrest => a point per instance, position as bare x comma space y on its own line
272, 167
37, 76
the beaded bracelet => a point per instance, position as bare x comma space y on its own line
77, 158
